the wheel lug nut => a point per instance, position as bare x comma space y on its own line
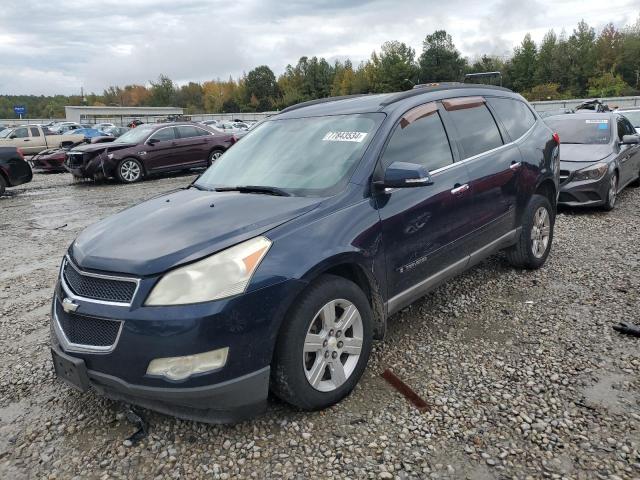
326, 354
331, 332
325, 343
340, 344
334, 355
339, 334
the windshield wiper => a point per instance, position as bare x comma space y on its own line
255, 189
199, 187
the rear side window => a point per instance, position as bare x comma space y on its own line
516, 116
165, 134
419, 138
34, 132
476, 127
189, 131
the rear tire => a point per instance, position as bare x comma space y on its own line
323, 345
129, 170
3, 185
214, 155
612, 193
533, 246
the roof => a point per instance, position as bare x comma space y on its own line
384, 102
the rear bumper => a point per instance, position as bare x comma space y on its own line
227, 402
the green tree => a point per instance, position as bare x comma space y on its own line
261, 84
546, 58
608, 48
607, 85
163, 92
394, 68
440, 61
524, 64
582, 53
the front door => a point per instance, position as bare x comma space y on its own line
162, 153
423, 228
629, 155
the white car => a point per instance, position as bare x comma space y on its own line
103, 126
633, 116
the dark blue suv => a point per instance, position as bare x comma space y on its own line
280, 264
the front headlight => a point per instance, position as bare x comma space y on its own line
109, 156
219, 276
594, 172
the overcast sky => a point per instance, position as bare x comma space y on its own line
58, 46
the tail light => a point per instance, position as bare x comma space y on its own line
556, 137
20, 153
234, 139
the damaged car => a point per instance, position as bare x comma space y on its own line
599, 156
149, 149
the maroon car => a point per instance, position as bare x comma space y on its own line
52, 159
149, 149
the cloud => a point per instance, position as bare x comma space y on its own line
53, 46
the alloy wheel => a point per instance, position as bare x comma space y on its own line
333, 345
130, 171
540, 232
613, 190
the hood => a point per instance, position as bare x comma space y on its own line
180, 227
584, 153
97, 147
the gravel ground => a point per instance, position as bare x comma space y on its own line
523, 374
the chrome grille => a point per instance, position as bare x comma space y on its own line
89, 331
74, 160
98, 287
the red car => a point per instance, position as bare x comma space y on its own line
52, 159
149, 149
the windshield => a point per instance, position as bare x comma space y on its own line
6, 133
634, 118
590, 131
304, 156
135, 135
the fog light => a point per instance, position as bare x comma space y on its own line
179, 368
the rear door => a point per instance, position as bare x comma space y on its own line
193, 145
423, 227
493, 164
162, 154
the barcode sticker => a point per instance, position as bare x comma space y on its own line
344, 137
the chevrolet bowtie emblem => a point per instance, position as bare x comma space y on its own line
69, 306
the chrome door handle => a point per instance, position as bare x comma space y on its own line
515, 166
460, 189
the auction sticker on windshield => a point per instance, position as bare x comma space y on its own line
604, 120
344, 137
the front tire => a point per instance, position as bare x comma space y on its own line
324, 344
129, 170
612, 193
3, 185
533, 246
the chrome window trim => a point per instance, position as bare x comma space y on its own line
69, 346
73, 296
480, 155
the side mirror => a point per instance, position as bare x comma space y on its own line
152, 141
630, 139
405, 175
12, 136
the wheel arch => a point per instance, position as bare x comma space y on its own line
547, 188
350, 267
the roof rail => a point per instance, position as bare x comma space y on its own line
320, 100
434, 87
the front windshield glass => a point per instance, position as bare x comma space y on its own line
304, 156
634, 118
588, 131
6, 133
135, 135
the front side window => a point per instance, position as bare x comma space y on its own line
313, 156
634, 118
579, 131
516, 116
476, 127
21, 133
419, 138
165, 134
